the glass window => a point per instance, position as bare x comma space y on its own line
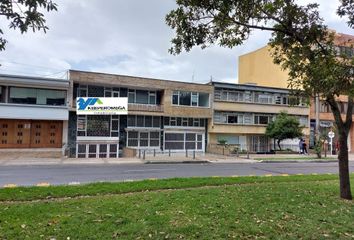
131, 120
175, 98
156, 122
231, 119
98, 125
152, 97
142, 97
185, 98
203, 100
37, 96
82, 91
148, 121
95, 91
140, 121
194, 99
131, 96
81, 123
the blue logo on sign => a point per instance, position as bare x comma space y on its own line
83, 104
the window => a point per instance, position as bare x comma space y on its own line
82, 91
231, 119
37, 96
262, 119
98, 125
185, 98
194, 99
152, 97
144, 121
2, 94
175, 97
185, 122
143, 139
182, 141
131, 96
142, 97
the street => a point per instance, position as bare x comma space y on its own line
66, 174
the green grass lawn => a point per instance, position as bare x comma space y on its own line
293, 207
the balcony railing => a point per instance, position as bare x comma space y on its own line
145, 107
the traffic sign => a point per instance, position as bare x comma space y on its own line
331, 134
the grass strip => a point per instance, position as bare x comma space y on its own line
61, 191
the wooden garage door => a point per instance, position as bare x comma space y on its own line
30, 134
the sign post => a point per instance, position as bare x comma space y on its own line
331, 136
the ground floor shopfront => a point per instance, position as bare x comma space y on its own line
103, 136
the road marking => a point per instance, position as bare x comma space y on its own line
73, 183
149, 170
10, 185
43, 184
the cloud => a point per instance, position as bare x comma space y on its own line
125, 37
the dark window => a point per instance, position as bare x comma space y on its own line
185, 98
37, 96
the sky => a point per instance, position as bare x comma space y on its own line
126, 37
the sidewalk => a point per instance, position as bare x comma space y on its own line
176, 158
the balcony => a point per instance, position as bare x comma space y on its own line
145, 107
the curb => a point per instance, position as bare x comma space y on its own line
299, 161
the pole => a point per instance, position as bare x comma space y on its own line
331, 146
317, 112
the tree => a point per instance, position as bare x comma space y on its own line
284, 127
301, 42
25, 15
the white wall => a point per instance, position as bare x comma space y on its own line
14, 111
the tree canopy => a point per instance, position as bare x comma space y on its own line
284, 127
301, 43
25, 15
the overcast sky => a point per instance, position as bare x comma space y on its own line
127, 37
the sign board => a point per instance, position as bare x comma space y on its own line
326, 124
101, 106
331, 134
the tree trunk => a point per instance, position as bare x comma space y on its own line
279, 145
343, 128
344, 177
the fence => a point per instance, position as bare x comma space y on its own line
188, 153
232, 149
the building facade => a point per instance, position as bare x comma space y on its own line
257, 68
162, 115
242, 113
33, 113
